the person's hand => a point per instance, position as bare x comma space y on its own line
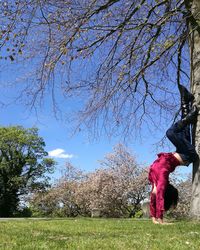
154, 220
167, 223
160, 221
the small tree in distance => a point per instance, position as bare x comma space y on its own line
61, 198
184, 187
131, 182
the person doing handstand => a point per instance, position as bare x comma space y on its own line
163, 194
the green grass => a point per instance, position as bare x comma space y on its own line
95, 234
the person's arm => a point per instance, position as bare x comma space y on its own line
153, 207
160, 198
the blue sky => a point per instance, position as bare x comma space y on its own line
79, 150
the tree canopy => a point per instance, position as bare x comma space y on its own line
123, 59
23, 166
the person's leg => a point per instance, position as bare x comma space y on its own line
179, 133
186, 100
181, 139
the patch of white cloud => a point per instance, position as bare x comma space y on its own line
60, 153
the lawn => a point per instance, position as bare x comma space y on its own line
95, 234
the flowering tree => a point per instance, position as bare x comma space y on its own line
185, 193
59, 200
114, 190
184, 185
131, 178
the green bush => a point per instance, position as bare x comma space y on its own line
25, 212
138, 214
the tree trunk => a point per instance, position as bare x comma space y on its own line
194, 27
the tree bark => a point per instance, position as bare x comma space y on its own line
194, 28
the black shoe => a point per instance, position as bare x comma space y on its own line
186, 96
185, 109
191, 116
189, 119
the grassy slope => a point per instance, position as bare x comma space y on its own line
97, 234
